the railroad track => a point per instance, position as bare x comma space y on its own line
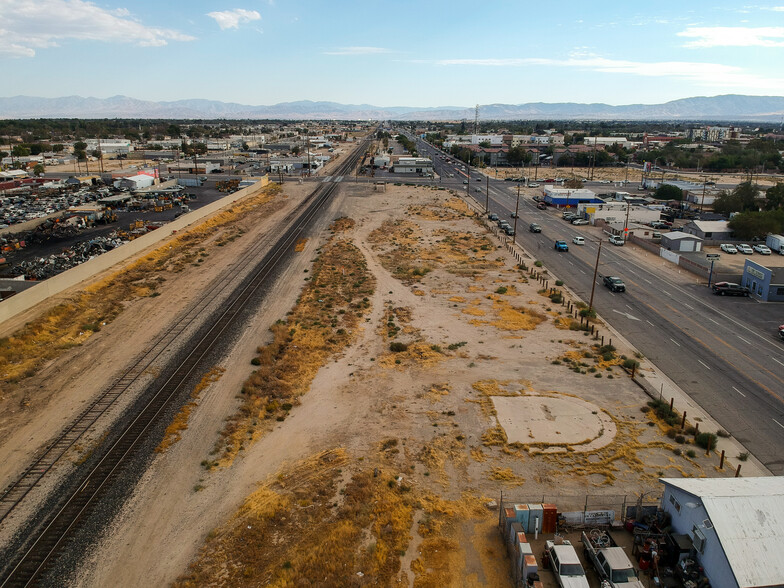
42, 548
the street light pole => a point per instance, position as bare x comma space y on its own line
595, 271
517, 208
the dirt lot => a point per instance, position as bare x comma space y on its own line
426, 373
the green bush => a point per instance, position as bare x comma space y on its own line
255, 361
680, 439
631, 363
397, 347
559, 283
706, 440
501, 290
538, 264
588, 313
691, 453
556, 298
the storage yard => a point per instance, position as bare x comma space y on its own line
411, 379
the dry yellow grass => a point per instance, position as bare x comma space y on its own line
174, 431
417, 354
323, 323
72, 322
300, 245
506, 475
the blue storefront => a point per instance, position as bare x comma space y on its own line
766, 284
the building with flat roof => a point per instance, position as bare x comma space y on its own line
413, 165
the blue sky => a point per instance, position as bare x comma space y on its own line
409, 53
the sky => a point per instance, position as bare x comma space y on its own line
424, 53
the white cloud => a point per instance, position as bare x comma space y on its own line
709, 75
357, 51
29, 25
734, 36
232, 19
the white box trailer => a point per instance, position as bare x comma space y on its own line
775, 243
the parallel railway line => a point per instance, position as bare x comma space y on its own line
44, 546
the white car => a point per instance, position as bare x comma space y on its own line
578, 241
762, 249
580, 221
743, 248
533, 185
617, 240
728, 248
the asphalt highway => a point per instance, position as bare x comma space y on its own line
724, 353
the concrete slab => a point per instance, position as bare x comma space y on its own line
554, 423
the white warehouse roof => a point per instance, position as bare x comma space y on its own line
748, 517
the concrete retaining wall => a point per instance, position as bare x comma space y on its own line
25, 300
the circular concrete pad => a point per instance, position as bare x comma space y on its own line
559, 421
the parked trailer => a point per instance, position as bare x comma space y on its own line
610, 561
775, 243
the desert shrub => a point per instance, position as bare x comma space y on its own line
677, 451
691, 453
671, 433
556, 297
538, 264
722, 433
397, 347
501, 290
559, 283
706, 440
680, 439
631, 363
255, 361
743, 456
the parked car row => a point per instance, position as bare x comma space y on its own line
744, 248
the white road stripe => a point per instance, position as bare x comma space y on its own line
739, 392
714, 322
778, 423
687, 306
666, 293
674, 341
327, 179
744, 340
650, 323
646, 280
704, 364
777, 361
338, 179
629, 307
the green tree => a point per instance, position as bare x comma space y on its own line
750, 224
20, 151
747, 193
58, 147
295, 150
39, 169
96, 153
727, 203
574, 183
774, 197
668, 192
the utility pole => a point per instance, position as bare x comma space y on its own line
626, 224
595, 271
517, 208
702, 202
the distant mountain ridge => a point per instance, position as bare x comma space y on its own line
730, 107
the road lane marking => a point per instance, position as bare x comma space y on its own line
646, 280
739, 392
687, 306
744, 340
714, 322
649, 322
666, 293
338, 179
778, 423
707, 367
674, 341
777, 361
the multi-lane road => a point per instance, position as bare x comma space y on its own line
723, 352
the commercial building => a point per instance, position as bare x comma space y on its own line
413, 165
109, 145
136, 182
715, 230
618, 214
766, 284
735, 527
569, 197
682, 242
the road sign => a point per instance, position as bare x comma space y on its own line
712, 256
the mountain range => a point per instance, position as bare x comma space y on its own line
730, 107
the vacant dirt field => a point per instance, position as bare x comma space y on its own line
413, 372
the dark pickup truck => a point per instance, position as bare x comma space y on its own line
730, 289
